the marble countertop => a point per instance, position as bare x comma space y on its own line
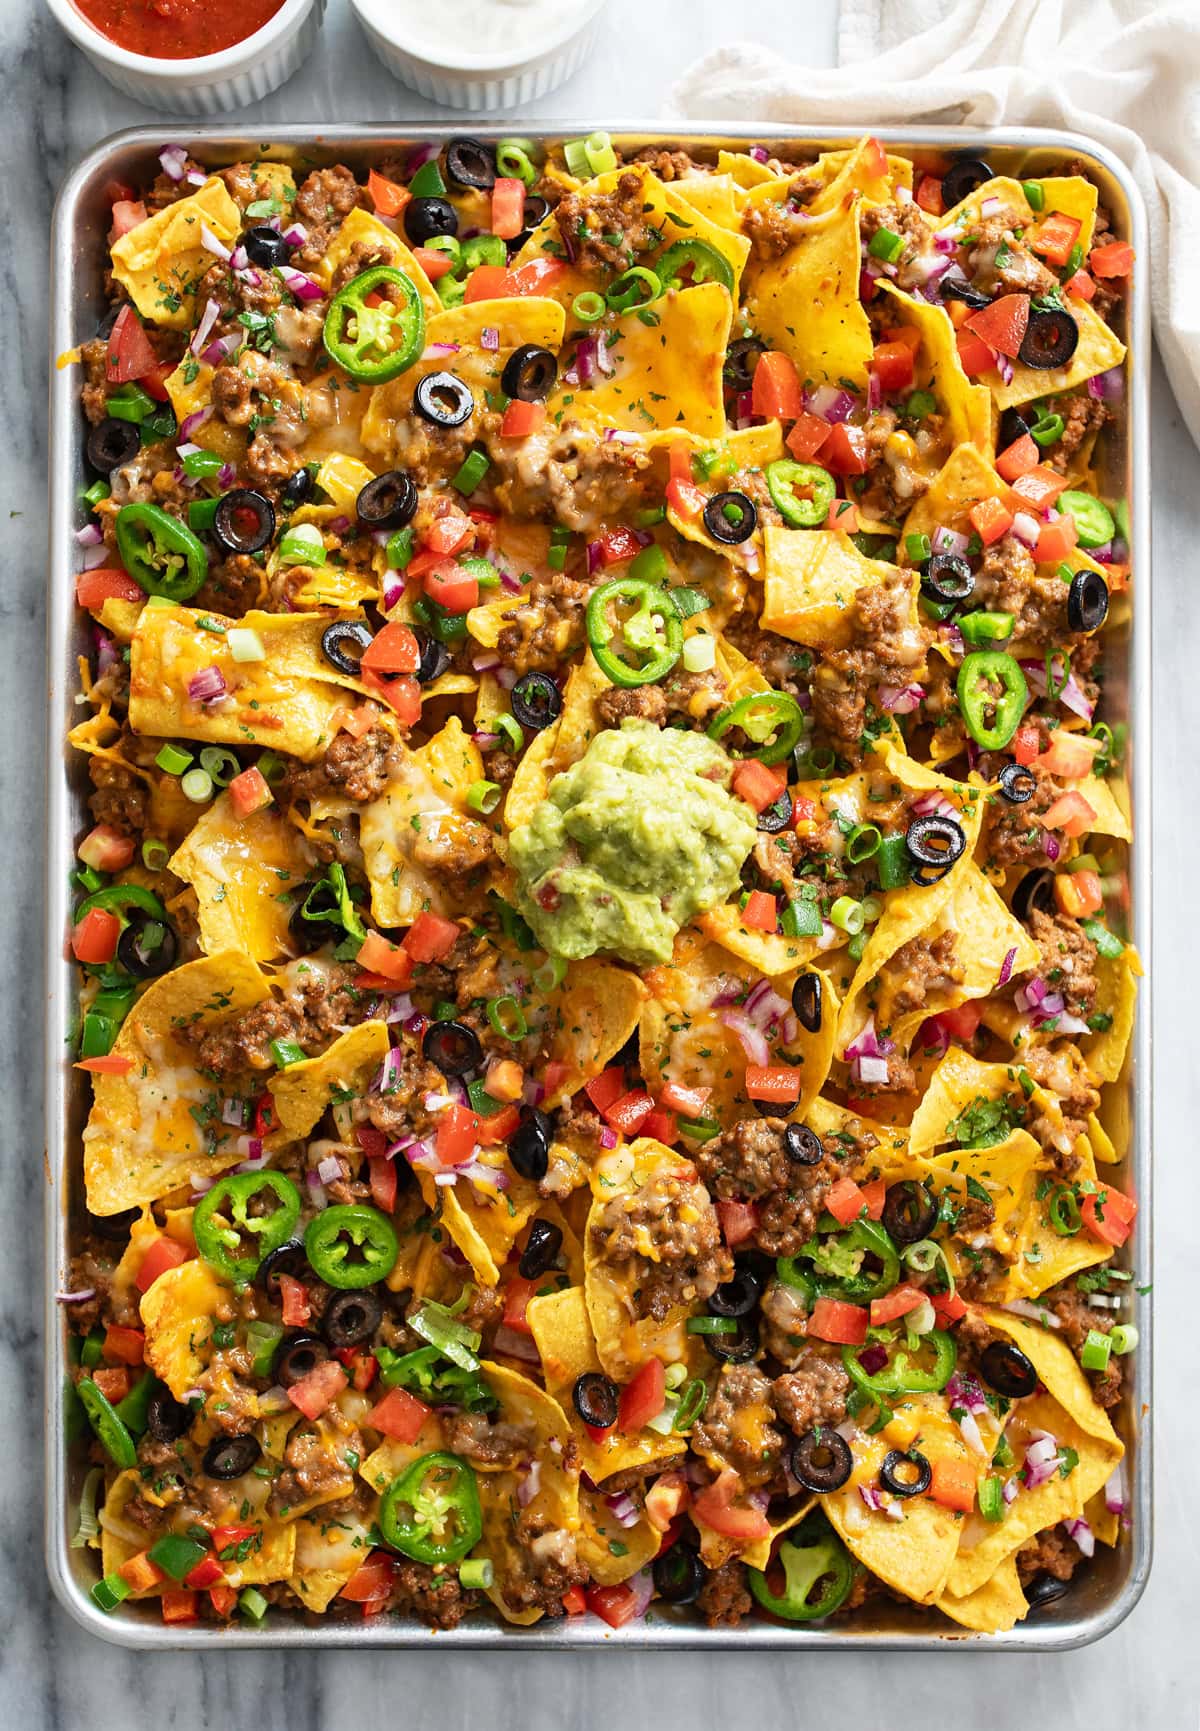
55, 1678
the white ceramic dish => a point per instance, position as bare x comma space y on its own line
210, 83
482, 82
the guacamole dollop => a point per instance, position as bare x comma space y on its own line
631, 842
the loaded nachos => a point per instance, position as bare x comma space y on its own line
603, 945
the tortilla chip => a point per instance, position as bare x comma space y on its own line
811, 577
178, 1314
160, 262
718, 197
1047, 1257
1097, 351
327, 1554
855, 171
285, 701
1007, 1173
1110, 815
996, 1605
558, 746
591, 1014
241, 869
610, 1551
758, 1554
303, 1091
360, 227
142, 1139
966, 406
272, 1559
958, 1080
422, 808
833, 340
484, 1228
516, 320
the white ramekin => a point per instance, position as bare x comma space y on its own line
481, 82
211, 83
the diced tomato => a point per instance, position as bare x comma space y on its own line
845, 1201
948, 1307
400, 691
224, 1600
1080, 287
843, 1324
94, 939
661, 1127
314, 1392
1070, 813
807, 436
517, 1294
644, 1397
124, 1345
1109, 1214
371, 1580
685, 499
843, 515
179, 1605
106, 583
898, 1302
606, 1089
393, 650
293, 1296
114, 189
666, 1500
759, 913
235, 1533
266, 1120
615, 1606
430, 938
163, 1254
688, 1102
1069, 755
554, 1074
207, 1572
1056, 540
1054, 237
776, 392
363, 1371
779, 1083
759, 784
399, 1415
434, 263
388, 198
963, 1022
452, 587
627, 1114
618, 545
845, 450
574, 1602
105, 849
716, 1507
1026, 745
1078, 894
974, 353
449, 533
929, 195
892, 364
154, 383
109, 1064
140, 1572
499, 1126
487, 282
874, 159
803, 810
953, 1482
382, 1177
739, 1221
130, 351
990, 518
874, 1195
1039, 487
1018, 459
250, 792
537, 277
378, 956
114, 1384
457, 1134
356, 722
520, 419
1114, 259
373, 1142
508, 207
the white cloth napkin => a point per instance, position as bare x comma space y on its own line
1124, 72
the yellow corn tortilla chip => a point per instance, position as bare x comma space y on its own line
327, 1554
964, 478
558, 746
1110, 818
241, 869
610, 1551
1047, 1257
360, 227
716, 196
820, 273
303, 1091
178, 1314
161, 261
142, 1140
484, 1228
285, 701
960, 1079
758, 1554
405, 831
591, 1014
996, 1605
271, 1559
810, 580
517, 319
1098, 350
1059, 1371
1008, 1174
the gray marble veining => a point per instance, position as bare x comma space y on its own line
53, 1677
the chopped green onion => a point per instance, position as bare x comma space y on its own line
986, 627
197, 785
863, 843
507, 1018
589, 306
513, 159
302, 545
173, 759
88, 879
919, 548
1124, 1338
891, 863
550, 975
872, 908
221, 764
197, 464
476, 1573
399, 550
155, 853
847, 915
856, 946
677, 1375
712, 1325
576, 158
699, 653
252, 1604
600, 154
510, 731
484, 796
245, 645
885, 244
1096, 1350
201, 515
284, 1053
1047, 430
991, 1499
271, 767
98, 491
663, 1423
474, 468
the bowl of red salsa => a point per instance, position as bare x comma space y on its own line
193, 56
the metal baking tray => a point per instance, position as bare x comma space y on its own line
1114, 1582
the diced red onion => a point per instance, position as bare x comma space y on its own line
624, 1508
953, 638
617, 436
173, 158
434, 1102
89, 535
949, 541
94, 556
531, 1480
316, 1191
900, 699
392, 592
253, 1155
873, 1072
874, 391
643, 1591
1084, 1537
80, 1297
990, 207
1004, 367
400, 1008
929, 267
532, 1093
200, 336
485, 741
933, 1037
196, 419
387, 1077
969, 1427
510, 584
489, 338
420, 155
868, 1044
507, 677
107, 656
1114, 1491
595, 557
1035, 1312
873, 1359
1102, 555
1051, 847
233, 1111
1108, 387
303, 287
220, 349
206, 685
195, 177
295, 235
1009, 1492
753, 1040
830, 403
934, 804
210, 243
869, 1494
964, 1391
433, 351
339, 525
947, 244
329, 1170
608, 1137
1006, 969
240, 259
757, 153
1026, 528
226, 475
187, 449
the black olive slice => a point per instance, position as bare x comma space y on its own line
167, 1418
741, 358
905, 1475
228, 1457
737, 1297
1087, 601
935, 841
964, 174
1035, 890
300, 487
452, 1048
731, 518
344, 643
427, 218
1018, 783
470, 164
955, 288
541, 1248
530, 373
777, 815
265, 246
1044, 1590
596, 1399
679, 1575
737, 1348
289, 1258
821, 1460
389, 501
350, 1318
297, 1356
435, 657
443, 400
909, 1212
529, 1148
1014, 425
147, 947
537, 209
111, 443
803, 1146
536, 701
807, 1002
947, 578
244, 521
1050, 339
1005, 1368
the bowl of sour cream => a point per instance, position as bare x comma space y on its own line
481, 54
